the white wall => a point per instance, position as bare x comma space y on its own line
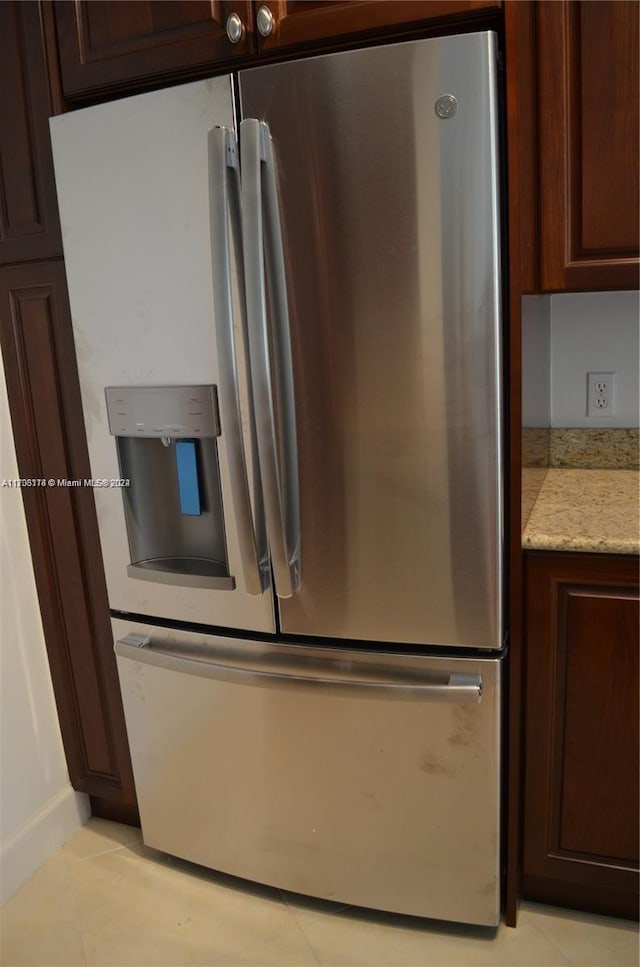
594, 332
38, 807
536, 355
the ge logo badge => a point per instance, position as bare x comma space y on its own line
446, 106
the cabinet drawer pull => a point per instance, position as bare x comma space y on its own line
235, 28
265, 21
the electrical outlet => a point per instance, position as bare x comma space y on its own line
601, 394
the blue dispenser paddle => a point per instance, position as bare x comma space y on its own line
187, 469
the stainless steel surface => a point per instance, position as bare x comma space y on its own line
446, 106
234, 27
148, 228
163, 411
264, 21
185, 572
273, 410
279, 337
224, 195
327, 675
334, 791
364, 775
391, 240
159, 536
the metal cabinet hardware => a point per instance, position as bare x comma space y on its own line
265, 21
235, 28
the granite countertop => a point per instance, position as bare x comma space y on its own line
583, 510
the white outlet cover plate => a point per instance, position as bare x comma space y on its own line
601, 398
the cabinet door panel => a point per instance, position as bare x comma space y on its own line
29, 227
581, 772
44, 398
588, 89
608, 88
314, 21
599, 766
132, 43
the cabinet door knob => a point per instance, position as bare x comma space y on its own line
264, 21
235, 28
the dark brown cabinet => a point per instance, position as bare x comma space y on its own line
46, 411
305, 22
581, 745
588, 144
29, 227
105, 45
44, 397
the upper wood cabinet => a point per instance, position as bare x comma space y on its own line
105, 45
29, 226
293, 23
588, 130
108, 46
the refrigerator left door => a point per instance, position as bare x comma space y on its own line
133, 187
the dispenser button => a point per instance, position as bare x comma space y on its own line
187, 470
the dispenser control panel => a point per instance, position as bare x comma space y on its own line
163, 411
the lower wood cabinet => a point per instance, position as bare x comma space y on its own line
581, 756
46, 412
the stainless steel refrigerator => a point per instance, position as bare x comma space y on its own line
285, 291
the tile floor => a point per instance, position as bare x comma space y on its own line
105, 898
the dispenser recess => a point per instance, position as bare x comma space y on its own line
167, 450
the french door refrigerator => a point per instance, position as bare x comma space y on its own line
285, 291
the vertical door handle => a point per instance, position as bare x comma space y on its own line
224, 205
269, 334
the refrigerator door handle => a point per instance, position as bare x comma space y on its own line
224, 201
458, 689
269, 332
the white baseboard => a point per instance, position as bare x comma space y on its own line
41, 836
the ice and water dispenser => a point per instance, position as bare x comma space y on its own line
167, 449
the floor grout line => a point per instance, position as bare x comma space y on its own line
74, 910
534, 926
575, 916
292, 911
92, 856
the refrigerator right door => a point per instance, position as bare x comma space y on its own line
387, 166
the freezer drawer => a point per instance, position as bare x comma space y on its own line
362, 777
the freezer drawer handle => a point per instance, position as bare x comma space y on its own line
269, 332
224, 203
459, 689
